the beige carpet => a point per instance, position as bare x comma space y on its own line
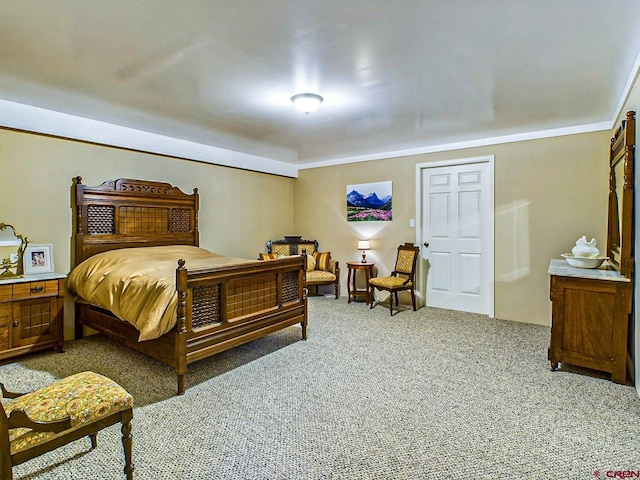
421, 395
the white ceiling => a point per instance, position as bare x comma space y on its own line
396, 75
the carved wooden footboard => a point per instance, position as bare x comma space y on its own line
221, 308
218, 307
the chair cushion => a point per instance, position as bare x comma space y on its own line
268, 256
85, 397
322, 260
280, 249
389, 282
309, 248
404, 263
320, 276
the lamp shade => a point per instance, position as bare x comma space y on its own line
363, 245
307, 102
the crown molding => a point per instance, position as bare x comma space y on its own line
40, 120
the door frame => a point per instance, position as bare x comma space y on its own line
490, 220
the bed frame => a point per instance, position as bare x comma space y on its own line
218, 308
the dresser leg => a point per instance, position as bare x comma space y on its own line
554, 366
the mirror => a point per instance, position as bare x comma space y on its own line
618, 172
12, 247
614, 227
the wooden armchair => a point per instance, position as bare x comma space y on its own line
321, 268
66, 410
403, 276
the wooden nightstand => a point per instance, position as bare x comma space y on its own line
351, 280
31, 314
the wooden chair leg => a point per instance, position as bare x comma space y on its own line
413, 299
126, 416
6, 465
94, 440
391, 303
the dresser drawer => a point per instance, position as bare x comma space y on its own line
6, 293
35, 289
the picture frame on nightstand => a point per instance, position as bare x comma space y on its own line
38, 259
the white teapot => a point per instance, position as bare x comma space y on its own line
584, 248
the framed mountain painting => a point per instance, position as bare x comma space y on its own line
369, 202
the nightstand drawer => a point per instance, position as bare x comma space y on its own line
35, 289
6, 293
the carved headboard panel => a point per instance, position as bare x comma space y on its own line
131, 213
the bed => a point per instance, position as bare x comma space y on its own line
214, 307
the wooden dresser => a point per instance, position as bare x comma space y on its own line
592, 308
31, 314
591, 312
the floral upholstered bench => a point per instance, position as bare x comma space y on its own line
321, 268
66, 410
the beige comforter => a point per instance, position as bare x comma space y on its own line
139, 284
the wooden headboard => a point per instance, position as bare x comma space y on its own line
126, 213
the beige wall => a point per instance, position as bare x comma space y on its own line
550, 191
239, 210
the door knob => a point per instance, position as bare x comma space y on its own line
426, 244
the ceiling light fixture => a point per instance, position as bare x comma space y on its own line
307, 102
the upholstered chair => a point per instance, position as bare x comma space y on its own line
321, 269
64, 411
401, 278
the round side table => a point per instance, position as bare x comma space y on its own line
353, 291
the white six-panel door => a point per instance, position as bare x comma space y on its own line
457, 235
